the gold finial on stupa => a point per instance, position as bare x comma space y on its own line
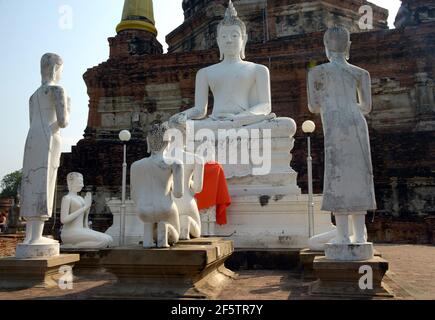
139, 15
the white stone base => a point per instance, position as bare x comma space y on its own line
31, 251
349, 252
274, 223
253, 222
134, 227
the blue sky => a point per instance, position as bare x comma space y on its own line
30, 28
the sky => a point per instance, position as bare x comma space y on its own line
77, 30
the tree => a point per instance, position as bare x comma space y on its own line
10, 184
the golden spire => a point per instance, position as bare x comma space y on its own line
138, 14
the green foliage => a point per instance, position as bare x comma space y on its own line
10, 184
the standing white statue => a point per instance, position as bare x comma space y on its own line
241, 89
76, 232
49, 112
154, 181
341, 93
190, 220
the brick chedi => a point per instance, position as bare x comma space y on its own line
139, 85
267, 20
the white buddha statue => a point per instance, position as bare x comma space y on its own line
76, 232
49, 110
241, 89
155, 182
341, 93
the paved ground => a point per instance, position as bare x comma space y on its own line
411, 276
412, 267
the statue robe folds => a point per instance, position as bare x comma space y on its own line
348, 180
48, 113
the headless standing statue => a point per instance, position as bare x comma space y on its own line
153, 182
75, 216
49, 111
341, 93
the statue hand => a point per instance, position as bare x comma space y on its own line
54, 127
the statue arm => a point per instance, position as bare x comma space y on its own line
178, 174
30, 110
365, 93
201, 97
264, 106
65, 216
86, 219
314, 97
198, 175
133, 182
62, 104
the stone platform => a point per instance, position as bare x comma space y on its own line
342, 278
254, 222
191, 269
36, 272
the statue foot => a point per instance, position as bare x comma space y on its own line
360, 241
43, 240
163, 245
184, 234
341, 240
149, 245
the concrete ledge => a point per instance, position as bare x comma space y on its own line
35, 272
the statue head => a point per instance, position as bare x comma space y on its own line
75, 181
231, 34
337, 41
51, 68
157, 138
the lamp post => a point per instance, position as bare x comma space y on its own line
124, 136
308, 128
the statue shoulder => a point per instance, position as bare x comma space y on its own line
205, 71
57, 91
359, 73
260, 69
318, 69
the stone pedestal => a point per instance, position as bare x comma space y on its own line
37, 272
29, 251
341, 279
306, 259
349, 252
190, 269
307, 256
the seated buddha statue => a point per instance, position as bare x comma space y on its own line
241, 89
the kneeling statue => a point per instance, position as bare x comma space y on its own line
75, 232
153, 182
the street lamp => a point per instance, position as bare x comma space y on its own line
308, 128
124, 136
